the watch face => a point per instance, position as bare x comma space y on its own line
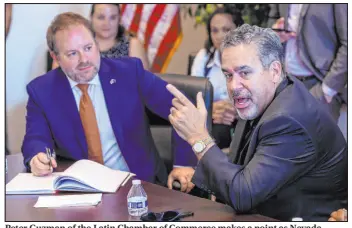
198, 147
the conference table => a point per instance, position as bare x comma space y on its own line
113, 207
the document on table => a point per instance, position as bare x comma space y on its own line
69, 200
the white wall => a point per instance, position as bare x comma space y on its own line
26, 59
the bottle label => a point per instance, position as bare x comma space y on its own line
137, 205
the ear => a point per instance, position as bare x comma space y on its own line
53, 56
275, 71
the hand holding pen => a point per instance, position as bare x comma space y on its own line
43, 163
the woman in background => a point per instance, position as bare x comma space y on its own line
110, 35
207, 64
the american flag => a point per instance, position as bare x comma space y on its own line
158, 26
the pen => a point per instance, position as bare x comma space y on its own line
48, 154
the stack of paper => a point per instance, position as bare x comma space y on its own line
69, 200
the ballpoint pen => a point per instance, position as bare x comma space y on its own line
49, 155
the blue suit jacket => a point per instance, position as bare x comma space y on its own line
53, 118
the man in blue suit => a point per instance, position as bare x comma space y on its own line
60, 110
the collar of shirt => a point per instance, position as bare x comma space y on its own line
94, 81
215, 60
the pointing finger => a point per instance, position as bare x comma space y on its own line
182, 98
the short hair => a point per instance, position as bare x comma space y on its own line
62, 22
267, 41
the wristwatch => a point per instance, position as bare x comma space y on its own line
199, 146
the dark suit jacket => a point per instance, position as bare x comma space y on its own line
322, 41
53, 119
295, 165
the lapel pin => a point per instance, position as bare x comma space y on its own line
112, 81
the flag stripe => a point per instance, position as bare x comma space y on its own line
161, 30
123, 7
136, 19
153, 21
158, 27
127, 15
168, 45
146, 14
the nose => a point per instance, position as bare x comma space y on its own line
106, 22
82, 57
235, 82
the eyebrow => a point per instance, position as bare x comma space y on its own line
88, 44
239, 68
71, 50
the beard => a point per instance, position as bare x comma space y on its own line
251, 111
82, 77
248, 113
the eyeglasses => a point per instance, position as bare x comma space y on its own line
167, 216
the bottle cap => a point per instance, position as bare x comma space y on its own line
297, 219
134, 182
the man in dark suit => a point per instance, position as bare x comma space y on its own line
316, 48
287, 158
92, 107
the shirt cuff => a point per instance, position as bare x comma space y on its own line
328, 91
182, 166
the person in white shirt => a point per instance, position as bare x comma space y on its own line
207, 64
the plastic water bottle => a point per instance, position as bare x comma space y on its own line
137, 201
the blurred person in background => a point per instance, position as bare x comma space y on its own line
207, 64
8, 18
315, 39
110, 34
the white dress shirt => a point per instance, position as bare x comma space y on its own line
294, 64
111, 151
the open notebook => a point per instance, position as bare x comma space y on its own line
82, 176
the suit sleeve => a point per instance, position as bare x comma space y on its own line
336, 77
153, 91
159, 100
38, 134
284, 152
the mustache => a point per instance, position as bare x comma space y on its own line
83, 65
240, 93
